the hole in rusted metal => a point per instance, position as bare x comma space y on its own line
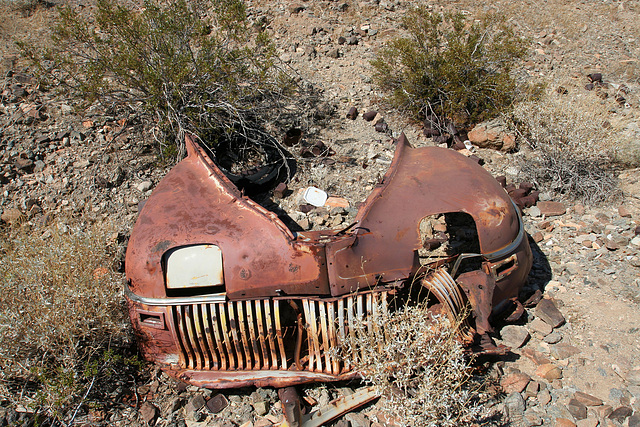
444, 235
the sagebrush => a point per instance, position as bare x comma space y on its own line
417, 363
63, 318
569, 151
449, 67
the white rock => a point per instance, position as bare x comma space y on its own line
534, 211
144, 186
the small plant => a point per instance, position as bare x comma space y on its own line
191, 66
62, 318
570, 150
417, 364
450, 68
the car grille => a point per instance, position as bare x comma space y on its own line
274, 334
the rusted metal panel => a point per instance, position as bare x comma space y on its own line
275, 304
196, 204
419, 183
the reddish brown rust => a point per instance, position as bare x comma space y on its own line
287, 298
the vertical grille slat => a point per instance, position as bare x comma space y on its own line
313, 320
250, 335
325, 348
342, 329
242, 324
216, 332
311, 346
185, 329
233, 325
208, 329
224, 324
333, 340
351, 324
261, 335
187, 353
191, 331
283, 355
271, 334
200, 336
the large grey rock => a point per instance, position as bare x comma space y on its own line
540, 326
514, 336
515, 382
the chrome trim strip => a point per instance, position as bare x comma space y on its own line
200, 299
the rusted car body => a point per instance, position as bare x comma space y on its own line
222, 294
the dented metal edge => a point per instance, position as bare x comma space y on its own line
171, 301
500, 253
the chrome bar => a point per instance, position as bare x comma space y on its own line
174, 301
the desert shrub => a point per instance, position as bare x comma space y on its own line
568, 150
417, 363
450, 68
63, 323
192, 66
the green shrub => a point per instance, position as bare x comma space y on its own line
62, 317
191, 66
450, 68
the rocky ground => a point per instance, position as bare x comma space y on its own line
575, 354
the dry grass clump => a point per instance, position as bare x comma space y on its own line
61, 309
22, 20
571, 152
417, 363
